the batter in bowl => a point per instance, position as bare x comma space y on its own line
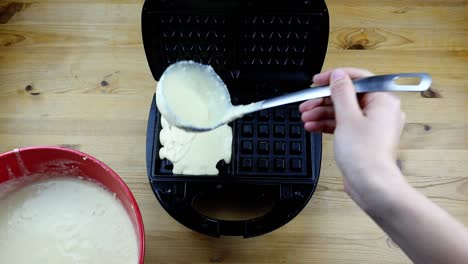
61, 220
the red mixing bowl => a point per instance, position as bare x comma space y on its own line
55, 160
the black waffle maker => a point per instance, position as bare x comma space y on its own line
260, 49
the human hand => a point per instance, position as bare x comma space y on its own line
366, 130
366, 136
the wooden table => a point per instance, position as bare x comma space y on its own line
74, 74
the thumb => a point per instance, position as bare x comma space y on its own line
343, 96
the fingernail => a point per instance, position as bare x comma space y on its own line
337, 75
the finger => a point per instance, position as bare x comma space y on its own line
377, 104
321, 79
324, 77
367, 98
310, 104
318, 113
327, 101
326, 126
344, 97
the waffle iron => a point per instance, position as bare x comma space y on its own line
260, 49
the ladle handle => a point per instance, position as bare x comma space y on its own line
381, 83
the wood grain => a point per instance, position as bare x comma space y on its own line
73, 73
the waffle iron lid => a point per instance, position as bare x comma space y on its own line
244, 41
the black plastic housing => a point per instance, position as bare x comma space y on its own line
260, 49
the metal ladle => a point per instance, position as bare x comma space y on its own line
381, 83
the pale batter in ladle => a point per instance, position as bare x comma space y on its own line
193, 97
181, 99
